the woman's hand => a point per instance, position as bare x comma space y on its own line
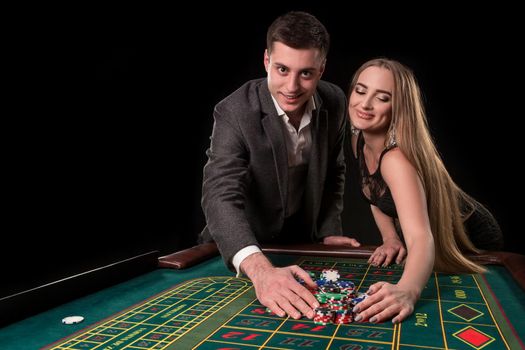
391, 250
386, 301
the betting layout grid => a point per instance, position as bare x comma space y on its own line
451, 313
165, 318
460, 299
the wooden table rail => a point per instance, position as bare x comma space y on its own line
515, 263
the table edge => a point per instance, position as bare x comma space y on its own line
515, 263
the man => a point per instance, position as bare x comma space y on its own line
275, 170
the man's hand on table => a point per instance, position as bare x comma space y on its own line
277, 287
341, 240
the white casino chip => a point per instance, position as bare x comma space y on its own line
72, 319
331, 275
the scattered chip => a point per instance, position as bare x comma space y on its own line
72, 319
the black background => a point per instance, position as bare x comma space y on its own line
117, 110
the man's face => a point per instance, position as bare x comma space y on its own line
293, 75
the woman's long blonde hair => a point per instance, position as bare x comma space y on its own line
409, 126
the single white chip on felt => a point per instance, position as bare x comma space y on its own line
72, 319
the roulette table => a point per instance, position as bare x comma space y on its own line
192, 301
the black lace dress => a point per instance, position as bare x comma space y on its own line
481, 226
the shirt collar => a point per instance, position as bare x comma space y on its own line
310, 106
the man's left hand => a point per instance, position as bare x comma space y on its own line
341, 240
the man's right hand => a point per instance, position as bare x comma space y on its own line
278, 289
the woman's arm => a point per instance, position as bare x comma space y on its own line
397, 301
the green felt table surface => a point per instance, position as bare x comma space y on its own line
499, 299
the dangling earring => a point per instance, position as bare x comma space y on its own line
354, 130
392, 138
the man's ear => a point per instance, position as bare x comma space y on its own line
321, 70
266, 60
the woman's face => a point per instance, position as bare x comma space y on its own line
370, 105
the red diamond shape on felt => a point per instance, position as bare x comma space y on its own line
473, 336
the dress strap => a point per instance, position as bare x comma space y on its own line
384, 152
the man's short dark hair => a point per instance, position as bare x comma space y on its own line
299, 30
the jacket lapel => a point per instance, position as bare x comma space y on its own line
273, 128
318, 162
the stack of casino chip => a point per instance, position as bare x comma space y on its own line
323, 315
336, 297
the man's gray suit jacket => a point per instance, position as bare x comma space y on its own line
244, 191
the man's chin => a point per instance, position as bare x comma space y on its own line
292, 107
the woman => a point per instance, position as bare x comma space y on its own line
403, 177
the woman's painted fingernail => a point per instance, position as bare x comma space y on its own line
358, 318
373, 319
